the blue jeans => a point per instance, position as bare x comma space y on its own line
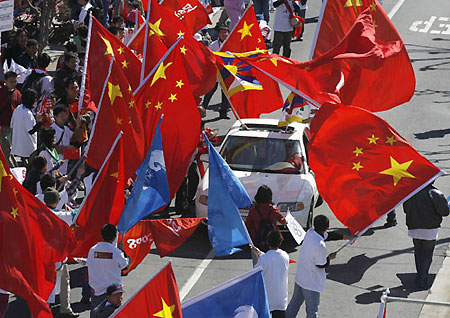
262, 7
423, 256
311, 298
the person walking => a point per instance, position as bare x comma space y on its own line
275, 265
424, 212
283, 30
114, 298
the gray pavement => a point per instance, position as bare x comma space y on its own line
382, 258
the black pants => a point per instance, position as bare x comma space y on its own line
282, 39
278, 313
209, 95
423, 255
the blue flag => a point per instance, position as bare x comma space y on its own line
225, 195
151, 189
244, 296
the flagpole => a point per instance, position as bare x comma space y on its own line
137, 292
319, 24
119, 135
144, 53
279, 81
232, 108
99, 106
157, 65
243, 15
85, 65
136, 34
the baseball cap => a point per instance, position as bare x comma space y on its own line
114, 289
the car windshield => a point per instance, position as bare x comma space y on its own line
263, 154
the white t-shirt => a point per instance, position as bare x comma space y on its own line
22, 121
105, 261
275, 265
64, 197
66, 134
216, 45
83, 14
424, 234
312, 253
282, 21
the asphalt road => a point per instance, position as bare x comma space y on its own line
382, 258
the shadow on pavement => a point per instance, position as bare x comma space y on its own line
440, 133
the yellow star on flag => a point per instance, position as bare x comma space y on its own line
124, 64
373, 139
183, 50
166, 311
398, 170
158, 106
179, 83
259, 40
120, 50
131, 103
115, 175
15, 191
180, 33
119, 121
113, 92
129, 88
2, 174
245, 30
160, 72
358, 151
357, 166
173, 97
155, 29
353, 3
109, 49
373, 6
14, 212
390, 140
147, 104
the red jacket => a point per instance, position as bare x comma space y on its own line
268, 211
8, 102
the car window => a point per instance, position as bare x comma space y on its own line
263, 154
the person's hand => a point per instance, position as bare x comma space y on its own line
256, 250
332, 255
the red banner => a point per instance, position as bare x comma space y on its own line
137, 243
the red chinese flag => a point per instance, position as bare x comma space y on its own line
246, 35
169, 234
137, 243
164, 30
118, 112
168, 92
363, 167
191, 12
103, 204
32, 240
102, 47
71, 153
337, 19
158, 298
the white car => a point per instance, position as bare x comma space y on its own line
267, 154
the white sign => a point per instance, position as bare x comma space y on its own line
6, 15
424, 26
297, 231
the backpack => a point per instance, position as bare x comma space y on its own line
33, 81
265, 226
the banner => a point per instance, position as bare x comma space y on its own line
137, 243
297, 231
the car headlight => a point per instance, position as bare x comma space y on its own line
203, 199
292, 206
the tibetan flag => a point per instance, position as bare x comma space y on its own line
226, 195
191, 12
246, 35
151, 189
363, 167
103, 204
137, 243
243, 296
157, 298
169, 234
337, 20
294, 109
32, 240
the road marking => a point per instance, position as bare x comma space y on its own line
395, 8
196, 275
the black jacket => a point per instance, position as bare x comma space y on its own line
104, 310
425, 209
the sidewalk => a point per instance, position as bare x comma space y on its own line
440, 291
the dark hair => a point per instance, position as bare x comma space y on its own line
58, 110
109, 232
70, 46
83, 31
69, 80
264, 194
274, 239
117, 19
29, 97
70, 55
38, 163
321, 223
47, 181
113, 30
20, 31
43, 60
31, 42
10, 74
48, 137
